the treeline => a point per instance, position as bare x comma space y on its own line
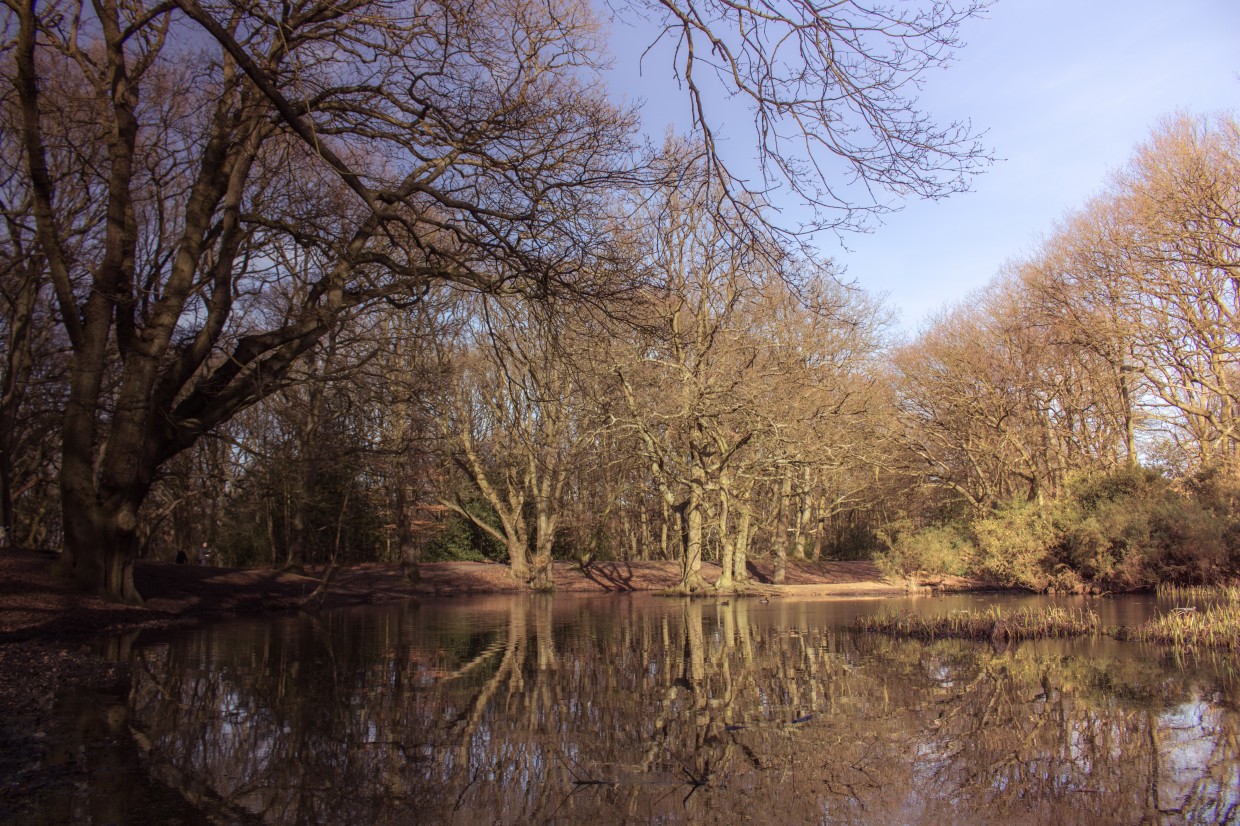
716, 408
398, 282
1079, 416
1072, 425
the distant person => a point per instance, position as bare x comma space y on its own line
204, 555
182, 557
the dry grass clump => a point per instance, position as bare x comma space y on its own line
990, 624
1200, 594
1214, 627
1217, 626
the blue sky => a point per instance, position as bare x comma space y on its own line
1065, 90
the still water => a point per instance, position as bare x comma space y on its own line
637, 709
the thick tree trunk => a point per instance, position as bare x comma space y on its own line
101, 544
691, 542
541, 573
518, 557
780, 569
740, 554
541, 576
407, 551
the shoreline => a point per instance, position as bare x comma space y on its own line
36, 605
48, 631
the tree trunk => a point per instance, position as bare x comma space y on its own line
18, 361
665, 530
781, 529
407, 551
1130, 425
540, 577
7, 521
820, 532
802, 516
740, 554
101, 544
728, 545
518, 556
691, 532
545, 519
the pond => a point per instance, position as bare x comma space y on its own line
638, 709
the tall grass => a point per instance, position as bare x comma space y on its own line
1217, 626
1198, 593
989, 624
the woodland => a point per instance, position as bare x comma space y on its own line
402, 281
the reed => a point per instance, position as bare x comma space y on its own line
989, 624
1198, 593
1216, 627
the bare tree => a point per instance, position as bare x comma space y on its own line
996, 400
1145, 278
679, 384
512, 423
1178, 216
429, 144
831, 88
747, 366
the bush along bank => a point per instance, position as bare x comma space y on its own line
1127, 531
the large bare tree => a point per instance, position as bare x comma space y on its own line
511, 420
301, 164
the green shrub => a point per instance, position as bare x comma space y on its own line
1089, 548
1015, 547
1185, 543
1135, 528
942, 549
459, 540
1130, 529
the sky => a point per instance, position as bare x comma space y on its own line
1064, 90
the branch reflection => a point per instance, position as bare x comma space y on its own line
536, 709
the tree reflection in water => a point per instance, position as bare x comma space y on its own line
534, 709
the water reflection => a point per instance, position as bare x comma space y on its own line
540, 709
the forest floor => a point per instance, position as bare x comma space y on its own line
46, 626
